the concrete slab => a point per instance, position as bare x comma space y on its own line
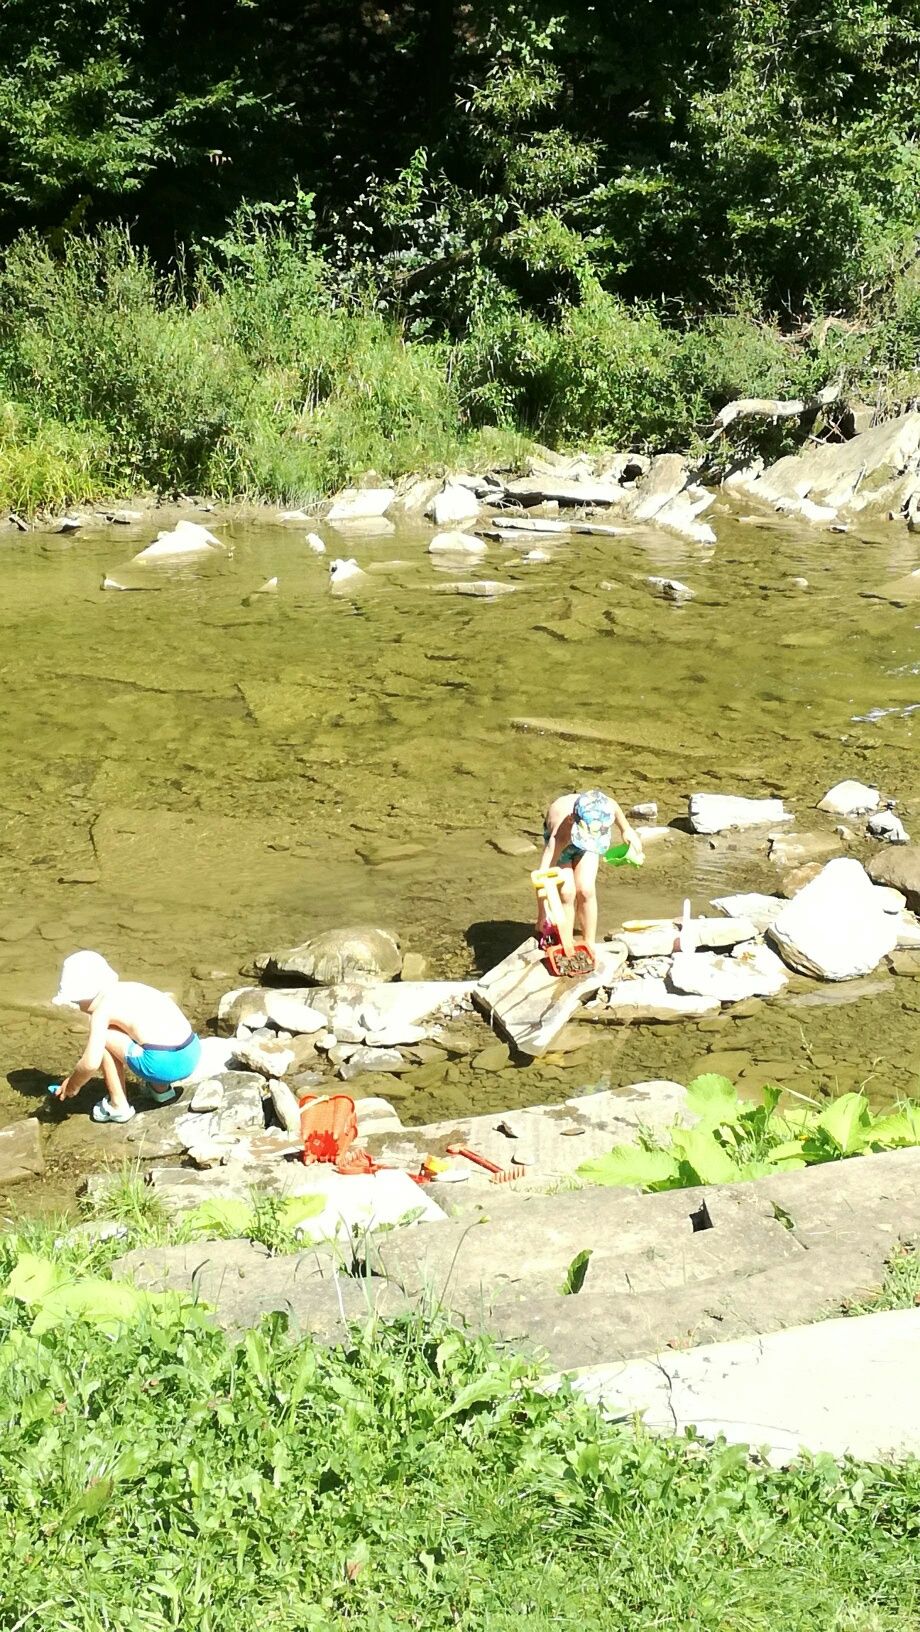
847, 1387
355, 1204
556, 1139
529, 1004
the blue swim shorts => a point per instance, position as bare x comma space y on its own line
152, 1063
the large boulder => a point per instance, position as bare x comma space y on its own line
363, 954
454, 503
899, 868
844, 473
836, 928
361, 503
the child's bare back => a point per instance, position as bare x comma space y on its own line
148, 1016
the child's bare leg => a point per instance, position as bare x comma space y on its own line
585, 912
113, 1069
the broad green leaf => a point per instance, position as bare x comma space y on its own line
492, 1385
902, 1127
630, 1164
103, 1303
576, 1272
714, 1100
32, 1279
846, 1121
709, 1160
91, 1502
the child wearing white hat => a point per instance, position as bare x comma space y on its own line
130, 1025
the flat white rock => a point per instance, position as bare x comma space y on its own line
292, 1013
406, 1002
749, 972
850, 799
649, 998
718, 812
835, 928
759, 910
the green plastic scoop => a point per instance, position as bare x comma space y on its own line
620, 855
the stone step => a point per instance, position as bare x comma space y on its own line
685, 1236
242, 1282
592, 1327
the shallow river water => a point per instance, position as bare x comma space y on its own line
189, 778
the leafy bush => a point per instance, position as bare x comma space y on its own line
735, 1139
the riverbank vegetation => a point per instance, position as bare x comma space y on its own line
256, 250
734, 1139
158, 1474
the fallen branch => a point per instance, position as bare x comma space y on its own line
773, 408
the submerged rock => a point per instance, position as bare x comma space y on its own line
719, 812
362, 953
454, 543
835, 928
315, 543
186, 538
485, 588
671, 589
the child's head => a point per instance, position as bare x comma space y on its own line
592, 820
83, 977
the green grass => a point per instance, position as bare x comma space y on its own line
901, 1286
156, 1475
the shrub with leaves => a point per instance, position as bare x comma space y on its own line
733, 1139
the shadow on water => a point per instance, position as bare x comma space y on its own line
491, 939
32, 1084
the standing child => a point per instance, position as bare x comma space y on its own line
577, 831
130, 1025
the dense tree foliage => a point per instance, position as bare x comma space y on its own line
676, 148
598, 222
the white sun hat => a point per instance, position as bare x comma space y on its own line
83, 977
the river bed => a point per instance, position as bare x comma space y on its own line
196, 773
